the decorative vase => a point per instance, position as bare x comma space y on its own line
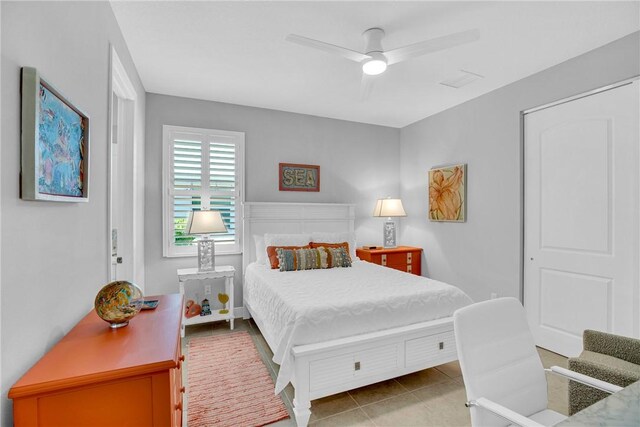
118, 302
224, 299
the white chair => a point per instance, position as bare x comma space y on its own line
502, 371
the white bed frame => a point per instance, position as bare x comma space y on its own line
335, 366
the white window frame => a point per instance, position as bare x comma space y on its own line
169, 250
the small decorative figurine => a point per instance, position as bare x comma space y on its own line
223, 298
206, 309
192, 309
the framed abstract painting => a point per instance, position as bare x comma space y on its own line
55, 144
447, 193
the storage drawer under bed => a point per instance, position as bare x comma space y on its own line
400, 358
436, 347
333, 371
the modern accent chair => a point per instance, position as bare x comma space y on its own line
607, 357
502, 371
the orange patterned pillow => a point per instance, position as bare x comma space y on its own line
344, 245
272, 253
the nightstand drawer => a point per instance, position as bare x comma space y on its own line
414, 267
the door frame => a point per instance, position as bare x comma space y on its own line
523, 113
121, 86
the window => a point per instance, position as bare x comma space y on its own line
202, 169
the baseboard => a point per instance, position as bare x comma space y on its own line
239, 312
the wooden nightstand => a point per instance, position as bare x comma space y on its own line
225, 272
403, 258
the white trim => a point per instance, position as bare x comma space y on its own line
1, 388
581, 95
238, 139
121, 86
331, 367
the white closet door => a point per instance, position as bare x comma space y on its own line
581, 218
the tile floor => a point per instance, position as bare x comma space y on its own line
433, 397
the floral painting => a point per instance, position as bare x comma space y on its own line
60, 149
447, 197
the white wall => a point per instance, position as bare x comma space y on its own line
54, 255
483, 255
359, 163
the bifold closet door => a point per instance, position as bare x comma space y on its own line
581, 265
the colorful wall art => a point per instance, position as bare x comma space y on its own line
54, 144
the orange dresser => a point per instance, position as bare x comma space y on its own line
404, 258
97, 376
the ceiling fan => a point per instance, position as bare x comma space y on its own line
375, 60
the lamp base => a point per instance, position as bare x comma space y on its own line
389, 234
206, 254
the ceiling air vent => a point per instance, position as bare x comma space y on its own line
463, 78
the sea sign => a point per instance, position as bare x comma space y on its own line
295, 177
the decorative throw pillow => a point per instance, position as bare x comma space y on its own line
302, 259
344, 245
318, 236
272, 253
338, 257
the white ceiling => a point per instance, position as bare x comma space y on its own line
235, 51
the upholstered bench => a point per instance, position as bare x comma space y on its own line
607, 357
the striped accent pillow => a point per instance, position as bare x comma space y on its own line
302, 259
338, 257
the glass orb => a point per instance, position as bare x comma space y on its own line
118, 302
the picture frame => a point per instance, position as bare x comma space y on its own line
297, 177
447, 188
54, 142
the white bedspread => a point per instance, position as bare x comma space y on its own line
306, 307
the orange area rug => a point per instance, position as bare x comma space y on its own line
228, 384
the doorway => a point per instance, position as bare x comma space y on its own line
581, 215
122, 206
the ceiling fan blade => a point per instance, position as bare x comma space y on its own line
428, 46
366, 86
326, 47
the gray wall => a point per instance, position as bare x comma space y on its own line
483, 255
54, 255
359, 163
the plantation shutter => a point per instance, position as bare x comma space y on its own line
187, 184
222, 185
204, 174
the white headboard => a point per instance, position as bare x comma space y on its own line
265, 217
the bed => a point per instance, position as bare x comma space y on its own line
337, 329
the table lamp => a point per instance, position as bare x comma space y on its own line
389, 208
204, 223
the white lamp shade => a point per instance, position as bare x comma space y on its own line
205, 222
389, 207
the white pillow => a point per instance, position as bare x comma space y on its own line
302, 239
261, 249
350, 238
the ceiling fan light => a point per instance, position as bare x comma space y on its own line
373, 67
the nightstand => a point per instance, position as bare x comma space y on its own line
226, 272
403, 258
